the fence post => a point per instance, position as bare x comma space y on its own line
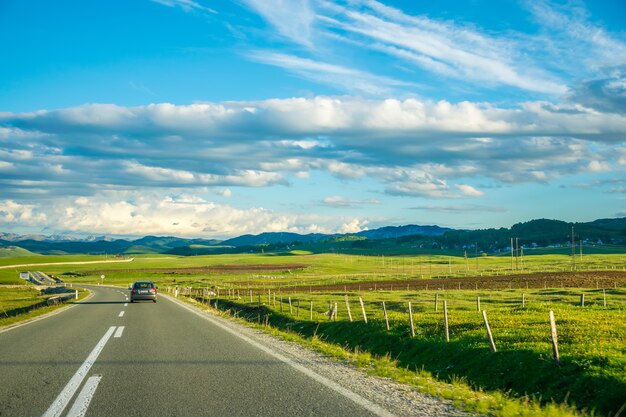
250, 295
385, 314
478, 303
363, 310
604, 297
555, 343
331, 312
492, 344
335, 311
523, 300
259, 299
411, 320
436, 302
348, 308
269, 296
311, 310
298, 308
445, 320
76, 295
582, 299
281, 304
290, 307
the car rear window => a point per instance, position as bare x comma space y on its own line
143, 285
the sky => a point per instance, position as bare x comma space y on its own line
206, 118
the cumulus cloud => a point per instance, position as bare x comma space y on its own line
410, 147
140, 213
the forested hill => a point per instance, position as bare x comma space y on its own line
531, 234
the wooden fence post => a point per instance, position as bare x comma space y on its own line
331, 312
604, 297
335, 310
555, 343
250, 295
385, 314
348, 308
478, 303
411, 320
436, 302
269, 296
523, 300
363, 310
445, 320
582, 299
281, 304
290, 307
492, 344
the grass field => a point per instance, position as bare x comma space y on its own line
318, 269
521, 378
592, 339
19, 303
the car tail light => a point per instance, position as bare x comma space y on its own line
154, 290
133, 291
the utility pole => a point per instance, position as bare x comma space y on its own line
511, 254
516, 252
573, 250
581, 250
476, 247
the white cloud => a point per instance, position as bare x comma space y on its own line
338, 201
408, 147
292, 18
144, 212
186, 5
469, 191
343, 78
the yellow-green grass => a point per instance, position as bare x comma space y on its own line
592, 340
18, 303
321, 269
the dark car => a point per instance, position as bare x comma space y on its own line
143, 290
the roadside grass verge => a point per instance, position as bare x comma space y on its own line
521, 378
22, 303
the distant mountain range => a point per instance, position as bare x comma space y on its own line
535, 233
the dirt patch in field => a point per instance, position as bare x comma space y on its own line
600, 279
213, 269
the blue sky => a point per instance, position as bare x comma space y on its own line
214, 119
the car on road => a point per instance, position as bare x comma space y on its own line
143, 290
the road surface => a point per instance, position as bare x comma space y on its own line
107, 357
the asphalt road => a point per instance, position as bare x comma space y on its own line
165, 361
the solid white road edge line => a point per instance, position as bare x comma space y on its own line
363, 402
68, 392
121, 314
84, 397
119, 331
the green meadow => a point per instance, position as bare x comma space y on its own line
520, 378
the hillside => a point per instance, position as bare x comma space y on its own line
390, 239
15, 251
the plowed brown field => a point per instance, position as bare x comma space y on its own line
600, 279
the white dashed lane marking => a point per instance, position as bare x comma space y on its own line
119, 331
121, 314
